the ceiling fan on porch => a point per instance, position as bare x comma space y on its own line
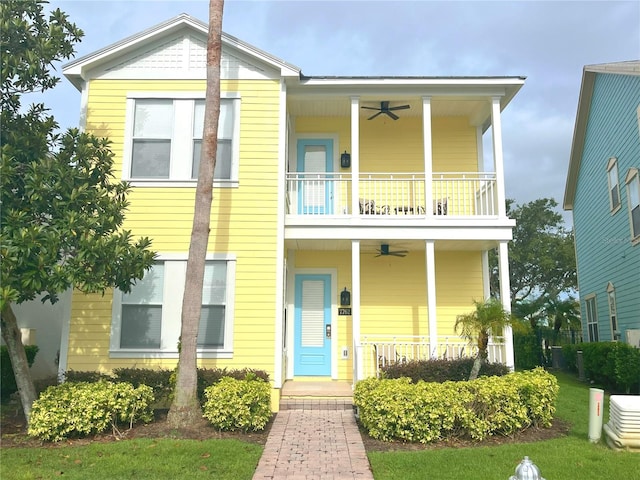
386, 109
384, 251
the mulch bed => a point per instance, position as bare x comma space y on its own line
13, 434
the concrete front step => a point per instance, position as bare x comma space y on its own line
316, 395
316, 404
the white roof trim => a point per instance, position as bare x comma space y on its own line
77, 69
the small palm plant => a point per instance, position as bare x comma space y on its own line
489, 318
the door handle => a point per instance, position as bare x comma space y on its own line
327, 330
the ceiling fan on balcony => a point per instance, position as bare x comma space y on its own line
386, 109
384, 251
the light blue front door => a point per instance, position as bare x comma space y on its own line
315, 190
312, 325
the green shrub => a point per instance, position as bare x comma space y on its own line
238, 404
157, 379
527, 349
163, 381
7, 380
425, 411
570, 355
612, 365
80, 409
87, 377
440, 370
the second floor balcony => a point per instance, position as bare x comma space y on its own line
393, 195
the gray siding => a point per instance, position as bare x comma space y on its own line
603, 240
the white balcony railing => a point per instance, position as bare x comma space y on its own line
376, 351
452, 194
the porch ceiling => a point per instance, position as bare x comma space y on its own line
371, 246
477, 109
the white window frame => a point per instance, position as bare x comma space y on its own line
182, 140
632, 180
175, 266
612, 170
613, 311
591, 314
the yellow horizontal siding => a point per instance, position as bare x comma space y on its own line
388, 145
393, 290
243, 222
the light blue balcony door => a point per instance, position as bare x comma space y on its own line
312, 328
315, 189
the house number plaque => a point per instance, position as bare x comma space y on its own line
344, 311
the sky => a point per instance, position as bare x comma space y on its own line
549, 42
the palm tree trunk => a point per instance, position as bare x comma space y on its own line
185, 409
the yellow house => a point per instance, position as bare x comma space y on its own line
351, 221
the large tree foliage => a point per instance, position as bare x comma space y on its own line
62, 210
185, 408
541, 256
488, 318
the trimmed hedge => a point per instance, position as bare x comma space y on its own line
440, 370
80, 409
162, 381
233, 404
613, 365
396, 409
7, 379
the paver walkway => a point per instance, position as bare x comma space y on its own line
314, 444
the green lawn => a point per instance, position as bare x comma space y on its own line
568, 458
138, 459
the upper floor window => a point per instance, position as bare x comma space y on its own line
147, 320
614, 187
592, 318
164, 138
633, 196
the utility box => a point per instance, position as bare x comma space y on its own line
633, 337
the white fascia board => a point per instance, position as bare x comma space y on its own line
76, 71
500, 232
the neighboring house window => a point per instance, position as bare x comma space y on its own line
592, 318
146, 321
614, 187
165, 138
633, 195
613, 316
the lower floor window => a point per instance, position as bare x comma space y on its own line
148, 319
592, 319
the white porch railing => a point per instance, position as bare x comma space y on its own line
376, 351
453, 194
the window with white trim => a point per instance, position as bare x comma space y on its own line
633, 198
612, 181
164, 138
592, 318
146, 321
613, 315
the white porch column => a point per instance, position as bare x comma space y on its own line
496, 128
355, 310
355, 155
428, 156
486, 275
505, 295
430, 256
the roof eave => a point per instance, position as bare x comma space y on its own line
579, 133
75, 70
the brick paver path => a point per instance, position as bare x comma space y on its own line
314, 445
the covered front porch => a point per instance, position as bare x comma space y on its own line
376, 303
